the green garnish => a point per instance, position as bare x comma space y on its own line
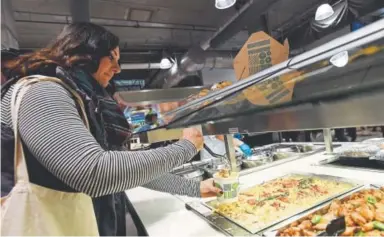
378, 225
371, 200
305, 183
360, 233
316, 219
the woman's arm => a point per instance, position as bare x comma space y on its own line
51, 127
174, 184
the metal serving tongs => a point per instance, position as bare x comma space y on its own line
335, 227
221, 157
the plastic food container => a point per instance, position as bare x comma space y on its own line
229, 186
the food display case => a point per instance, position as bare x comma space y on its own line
339, 84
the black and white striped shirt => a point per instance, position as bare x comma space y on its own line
52, 129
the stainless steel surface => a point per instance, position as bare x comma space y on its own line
230, 151
191, 165
326, 162
355, 184
216, 165
217, 221
272, 231
356, 111
318, 147
145, 97
194, 175
328, 140
378, 185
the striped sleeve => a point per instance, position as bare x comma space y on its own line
174, 184
51, 127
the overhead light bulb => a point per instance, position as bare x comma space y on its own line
224, 4
340, 59
323, 12
165, 63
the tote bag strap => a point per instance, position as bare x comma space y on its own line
20, 88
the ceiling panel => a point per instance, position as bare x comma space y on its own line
42, 6
197, 12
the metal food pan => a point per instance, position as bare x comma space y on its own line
297, 156
377, 185
273, 230
217, 221
352, 163
333, 178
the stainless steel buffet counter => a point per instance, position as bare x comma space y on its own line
164, 214
279, 153
325, 96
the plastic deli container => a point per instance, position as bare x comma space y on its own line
229, 186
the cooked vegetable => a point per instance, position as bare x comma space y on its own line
371, 200
363, 212
378, 225
316, 219
305, 183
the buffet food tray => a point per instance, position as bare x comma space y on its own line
232, 227
272, 231
317, 148
353, 163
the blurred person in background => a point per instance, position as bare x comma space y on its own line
62, 154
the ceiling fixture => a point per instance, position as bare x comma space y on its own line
165, 63
224, 4
323, 12
340, 59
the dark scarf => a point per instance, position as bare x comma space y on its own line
111, 129
109, 126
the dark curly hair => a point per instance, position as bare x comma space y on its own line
79, 45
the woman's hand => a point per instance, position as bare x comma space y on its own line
208, 189
195, 136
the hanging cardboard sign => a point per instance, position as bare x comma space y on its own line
261, 51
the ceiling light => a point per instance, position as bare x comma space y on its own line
340, 59
223, 4
165, 63
323, 12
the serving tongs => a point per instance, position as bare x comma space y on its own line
335, 227
221, 157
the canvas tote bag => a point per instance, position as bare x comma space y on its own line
33, 210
